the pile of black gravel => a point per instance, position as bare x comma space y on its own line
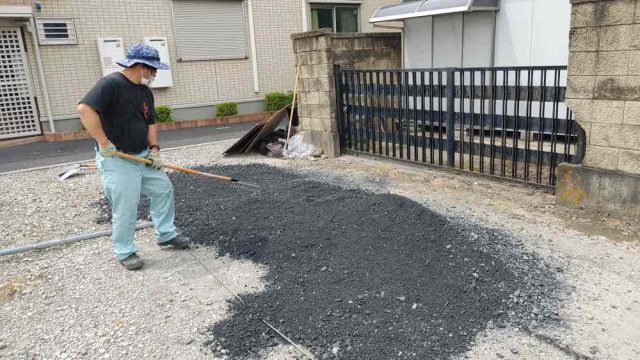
355, 275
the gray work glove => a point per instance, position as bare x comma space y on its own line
154, 155
108, 151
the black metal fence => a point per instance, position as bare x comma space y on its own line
507, 122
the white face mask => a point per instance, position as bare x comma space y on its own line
146, 80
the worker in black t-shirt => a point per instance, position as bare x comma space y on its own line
119, 114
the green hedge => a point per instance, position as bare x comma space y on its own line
226, 109
276, 100
163, 114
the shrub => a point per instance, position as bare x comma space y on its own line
276, 100
228, 108
163, 114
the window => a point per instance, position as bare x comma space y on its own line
56, 31
338, 18
210, 30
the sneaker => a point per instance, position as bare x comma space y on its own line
132, 262
178, 242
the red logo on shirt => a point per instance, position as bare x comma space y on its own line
145, 110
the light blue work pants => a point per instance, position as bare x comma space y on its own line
123, 182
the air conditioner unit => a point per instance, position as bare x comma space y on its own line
110, 50
164, 78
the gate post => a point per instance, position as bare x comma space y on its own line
451, 95
339, 106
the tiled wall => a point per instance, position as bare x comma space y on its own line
71, 70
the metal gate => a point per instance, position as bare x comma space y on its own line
18, 115
505, 122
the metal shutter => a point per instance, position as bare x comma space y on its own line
210, 29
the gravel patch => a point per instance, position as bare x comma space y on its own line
352, 274
598, 312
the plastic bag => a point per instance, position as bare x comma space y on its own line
275, 149
297, 147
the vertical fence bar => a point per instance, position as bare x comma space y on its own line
527, 154
516, 128
440, 120
505, 110
384, 107
406, 122
408, 113
415, 115
350, 108
407, 110
483, 99
339, 106
392, 99
367, 109
472, 124
379, 111
461, 116
492, 130
541, 122
373, 93
424, 113
451, 94
431, 120
401, 113
360, 116
347, 89
354, 110
554, 127
372, 106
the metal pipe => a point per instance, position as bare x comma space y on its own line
254, 53
55, 242
43, 81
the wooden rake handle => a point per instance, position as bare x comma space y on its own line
174, 167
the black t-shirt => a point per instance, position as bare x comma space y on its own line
126, 110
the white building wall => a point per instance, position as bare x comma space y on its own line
447, 41
550, 32
417, 43
478, 39
527, 32
71, 70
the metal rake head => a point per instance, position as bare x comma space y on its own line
244, 186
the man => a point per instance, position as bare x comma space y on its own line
119, 114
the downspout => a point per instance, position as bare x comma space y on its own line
305, 20
31, 27
252, 39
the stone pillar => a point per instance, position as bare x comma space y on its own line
604, 81
603, 91
317, 52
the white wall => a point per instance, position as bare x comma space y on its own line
478, 39
447, 41
513, 33
417, 43
527, 32
550, 35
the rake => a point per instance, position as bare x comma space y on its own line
231, 181
75, 170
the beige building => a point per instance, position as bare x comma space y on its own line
52, 52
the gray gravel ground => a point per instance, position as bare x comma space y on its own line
77, 302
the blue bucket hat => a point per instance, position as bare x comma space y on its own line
143, 54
